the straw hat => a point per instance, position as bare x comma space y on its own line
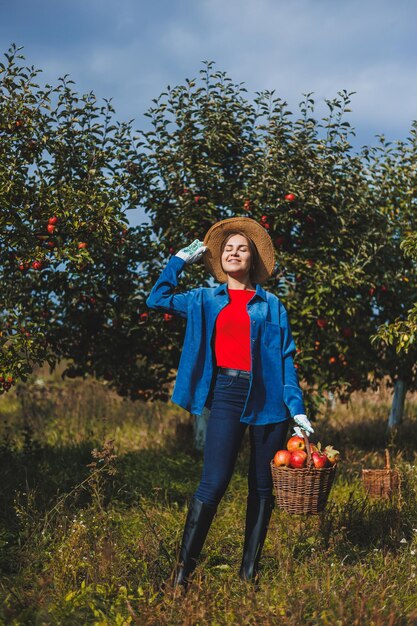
257, 233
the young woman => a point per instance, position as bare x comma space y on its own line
237, 360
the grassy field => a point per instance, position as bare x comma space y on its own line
94, 493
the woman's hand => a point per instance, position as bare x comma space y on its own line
193, 252
302, 423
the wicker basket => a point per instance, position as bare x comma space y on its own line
382, 483
302, 491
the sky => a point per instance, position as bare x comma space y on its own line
130, 50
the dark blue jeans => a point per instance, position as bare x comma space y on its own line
224, 437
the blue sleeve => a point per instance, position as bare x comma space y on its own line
293, 395
162, 296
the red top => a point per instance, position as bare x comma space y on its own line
232, 332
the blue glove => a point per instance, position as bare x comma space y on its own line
193, 252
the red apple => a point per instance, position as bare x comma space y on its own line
37, 265
144, 316
332, 360
50, 228
298, 459
321, 322
319, 460
167, 317
53, 220
295, 443
82, 245
247, 205
282, 458
264, 218
290, 197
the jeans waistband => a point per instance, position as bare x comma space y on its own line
227, 371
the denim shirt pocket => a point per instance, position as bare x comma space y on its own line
272, 335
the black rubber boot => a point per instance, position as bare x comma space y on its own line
258, 514
197, 524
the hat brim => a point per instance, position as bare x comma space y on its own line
257, 233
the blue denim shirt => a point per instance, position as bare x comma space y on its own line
274, 392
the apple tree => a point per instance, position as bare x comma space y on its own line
75, 275
71, 267
212, 154
392, 169
402, 333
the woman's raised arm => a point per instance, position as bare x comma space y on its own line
162, 295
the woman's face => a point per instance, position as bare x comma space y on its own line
236, 257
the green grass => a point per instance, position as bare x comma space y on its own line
92, 539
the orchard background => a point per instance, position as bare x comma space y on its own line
75, 274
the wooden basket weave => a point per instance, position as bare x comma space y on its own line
382, 483
305, 490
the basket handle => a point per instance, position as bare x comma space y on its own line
387, 459
308, 449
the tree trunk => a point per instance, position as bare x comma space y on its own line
331, 401
200, 426
397, 407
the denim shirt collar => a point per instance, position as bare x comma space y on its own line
222, 290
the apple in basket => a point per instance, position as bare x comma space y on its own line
319, 460
298, 459
333, 455
295, 443
282, 458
